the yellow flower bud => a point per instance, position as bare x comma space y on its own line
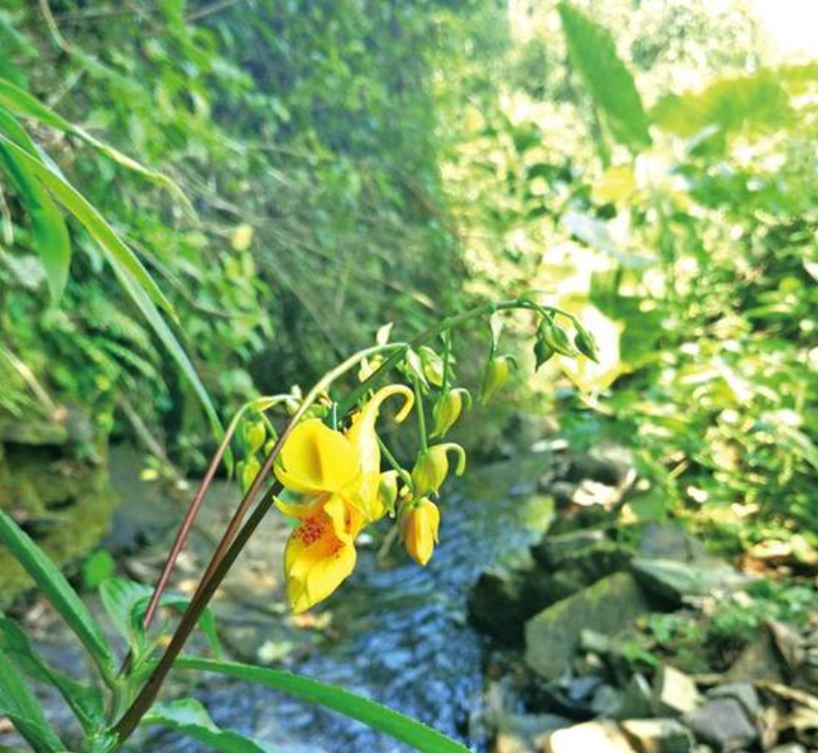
432, 467
419, 526
447, 410
387, 493
247, 472
498, 370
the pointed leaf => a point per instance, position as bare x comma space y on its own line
372, 714
55, 587
25, 105
593, 52
18, 703
50, 237
87, 703
191, 718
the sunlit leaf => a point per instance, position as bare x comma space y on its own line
753, 103
593, 52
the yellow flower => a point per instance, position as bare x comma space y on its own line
420, 525
432, 467
320, 553
339, 476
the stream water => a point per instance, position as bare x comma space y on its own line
404, 639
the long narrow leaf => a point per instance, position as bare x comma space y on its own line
372, 714
55, 587
177, 352
49, 233
22, 103
18, 703
91, 219
191, 718
87, 703
593, 52
132, 275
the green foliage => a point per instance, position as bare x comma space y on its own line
191, 718
373, 714
593, 52
18, 703
125, 603
53, 584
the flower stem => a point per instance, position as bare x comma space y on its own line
424, 443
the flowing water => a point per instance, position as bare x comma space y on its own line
404, 639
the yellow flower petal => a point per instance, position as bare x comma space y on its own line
365, 440
316, 562
317, 459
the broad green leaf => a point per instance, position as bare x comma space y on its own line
593, 52
50, 237
25, 105
126, 602
87, 703
18, 703
191, 718
373, 714
55, 587
92, 220
757, 103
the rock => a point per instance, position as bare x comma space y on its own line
517, 733
674, 692
723, 723
593, 737
758, 661
600, 469
504, 597
788, 748
552, 551
553, 635
636, 698
744, 693
673, 581
658, 736
670, 542
497, 605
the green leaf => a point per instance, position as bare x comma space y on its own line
86, 703
25, 105
593, 52
177, 352
126, 602
50, 237
55, 587
191, 718
18, 703
757, 103
372, 714
91, 219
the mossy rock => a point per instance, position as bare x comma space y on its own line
62, 502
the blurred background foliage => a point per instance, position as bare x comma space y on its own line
357, 162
